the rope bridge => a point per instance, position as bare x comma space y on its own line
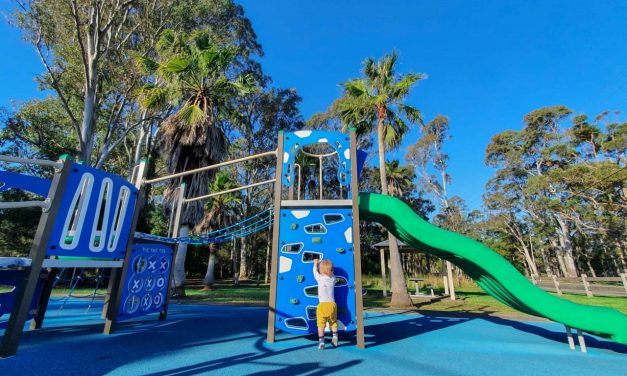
247, 226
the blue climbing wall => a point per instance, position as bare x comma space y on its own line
95, 217
321, 232
147, 280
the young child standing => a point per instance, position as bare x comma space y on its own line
327, 309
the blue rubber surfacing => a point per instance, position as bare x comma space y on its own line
228, 340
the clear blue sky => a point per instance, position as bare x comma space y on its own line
488, 63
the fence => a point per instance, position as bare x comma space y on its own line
590, 286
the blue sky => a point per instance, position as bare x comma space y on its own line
488, 62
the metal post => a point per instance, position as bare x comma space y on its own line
175, 233
359, 305
274, 260
44, 298
384, 279
582, 341
27, 286
117, 278
297, 165
569, 335
320, 176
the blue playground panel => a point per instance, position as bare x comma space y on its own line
12, 277
12, 180
95, 215
314, 232
227, 340
147, 281
296, 140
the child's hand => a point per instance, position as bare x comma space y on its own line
316, 261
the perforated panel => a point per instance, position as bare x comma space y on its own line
296, 286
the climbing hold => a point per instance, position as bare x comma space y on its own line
300, 278
316, 240
294, 301
294, 226
340, 250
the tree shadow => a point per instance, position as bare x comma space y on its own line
559, 336
383, 333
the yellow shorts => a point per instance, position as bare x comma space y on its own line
326, 311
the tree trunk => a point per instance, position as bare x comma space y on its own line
567, 247
398, 288
210, 279
178, 274
243, 259
266, 277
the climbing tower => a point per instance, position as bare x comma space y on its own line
308, 229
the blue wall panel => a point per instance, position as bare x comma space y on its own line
295, 310
85, 241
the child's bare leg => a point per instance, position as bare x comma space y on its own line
334, 338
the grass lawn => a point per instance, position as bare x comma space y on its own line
470, 299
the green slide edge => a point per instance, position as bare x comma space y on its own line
491, 271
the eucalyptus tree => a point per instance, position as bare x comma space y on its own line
255, 121
427, 154
377, 103
196, 78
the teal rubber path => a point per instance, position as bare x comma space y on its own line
490, 270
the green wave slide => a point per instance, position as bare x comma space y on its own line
490, 270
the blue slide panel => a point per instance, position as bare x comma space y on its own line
147, 280
95, 215
305, 233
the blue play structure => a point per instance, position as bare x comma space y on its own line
315, 229
87, 222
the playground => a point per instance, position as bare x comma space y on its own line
236, 187
230, 340
305, 230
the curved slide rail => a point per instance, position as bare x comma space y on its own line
490, 270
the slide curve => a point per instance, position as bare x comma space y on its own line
490, 270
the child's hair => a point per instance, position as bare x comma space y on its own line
326, 267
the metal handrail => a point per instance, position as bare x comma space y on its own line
41, 162
208, 168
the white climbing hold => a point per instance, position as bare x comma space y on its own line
285, 264
299, 214
323, 140
286, 157
347, 154
348, 234
302, 134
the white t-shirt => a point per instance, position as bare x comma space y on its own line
326, 286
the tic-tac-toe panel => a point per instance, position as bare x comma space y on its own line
307, 233
147, 280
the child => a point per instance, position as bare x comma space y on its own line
327, 309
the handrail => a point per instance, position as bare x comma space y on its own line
41, 162
207, 168
45, 204
228, 191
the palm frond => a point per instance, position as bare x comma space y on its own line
191, 114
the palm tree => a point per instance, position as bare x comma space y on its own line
376, 103
400, 178
219, 213
196, 77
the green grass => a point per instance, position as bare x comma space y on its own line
470, 298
